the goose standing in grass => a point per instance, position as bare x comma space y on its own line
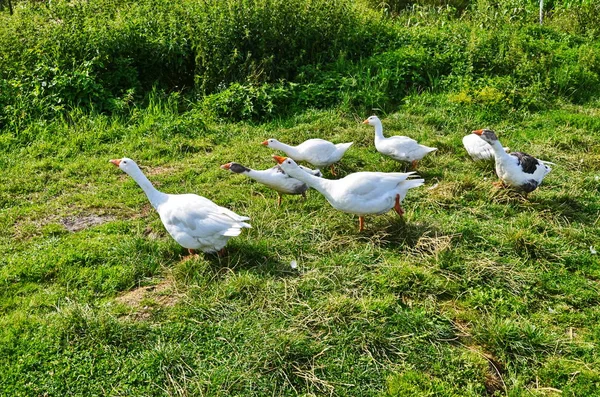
318, 152
517, 170
275, 178
193, 221
359, 193
478, 149
400, 148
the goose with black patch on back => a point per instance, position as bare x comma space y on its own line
275, 178
318, 152
517, 169
195, 222
360, 193
399, 148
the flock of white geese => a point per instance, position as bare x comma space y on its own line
196, 223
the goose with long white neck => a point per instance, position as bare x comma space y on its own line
318, 152
517, 169
195, 222
360, 193
275, 178
400, 148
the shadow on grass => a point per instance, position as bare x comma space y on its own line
258, 259
396, 232
562, 205
565, 206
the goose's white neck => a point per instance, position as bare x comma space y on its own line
499, 151
378, 131
322, 185
257, 175
291, 151
156, 198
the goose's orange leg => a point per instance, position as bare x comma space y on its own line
361, 223
397, 206
414, 164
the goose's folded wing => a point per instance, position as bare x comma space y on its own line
395, 175
372, 183
321, 154
315, 172
402, 146
203, 222
201, 216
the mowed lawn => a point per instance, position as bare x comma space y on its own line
476, 291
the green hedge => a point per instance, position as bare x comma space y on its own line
251, 59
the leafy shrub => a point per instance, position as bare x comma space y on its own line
579, 17
266, 40
255, 59
397, 6
248, 102
102, 55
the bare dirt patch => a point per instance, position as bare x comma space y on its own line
77, 223
145, 300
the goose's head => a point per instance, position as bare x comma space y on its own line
235, 167
373, 120
286, 163
487, 135
126, 164
270, 142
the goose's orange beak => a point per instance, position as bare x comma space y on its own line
116, 162
279, 159
478, 132
366, 121
266, 143
226, 166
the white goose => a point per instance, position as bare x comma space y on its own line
400, 148
318, 152
359, 193
478, 149
517, 169
193, 221
275, 178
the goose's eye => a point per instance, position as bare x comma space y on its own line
124, 162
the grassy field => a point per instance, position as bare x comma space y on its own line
476, 291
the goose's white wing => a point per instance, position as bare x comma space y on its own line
315, 172
196, 222
317, 151
372, 183
402, 148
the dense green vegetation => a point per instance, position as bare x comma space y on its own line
477, 291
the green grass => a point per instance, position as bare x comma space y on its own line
475, 291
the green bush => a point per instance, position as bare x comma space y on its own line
394, 7
266, 40
257, 59
248, 102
